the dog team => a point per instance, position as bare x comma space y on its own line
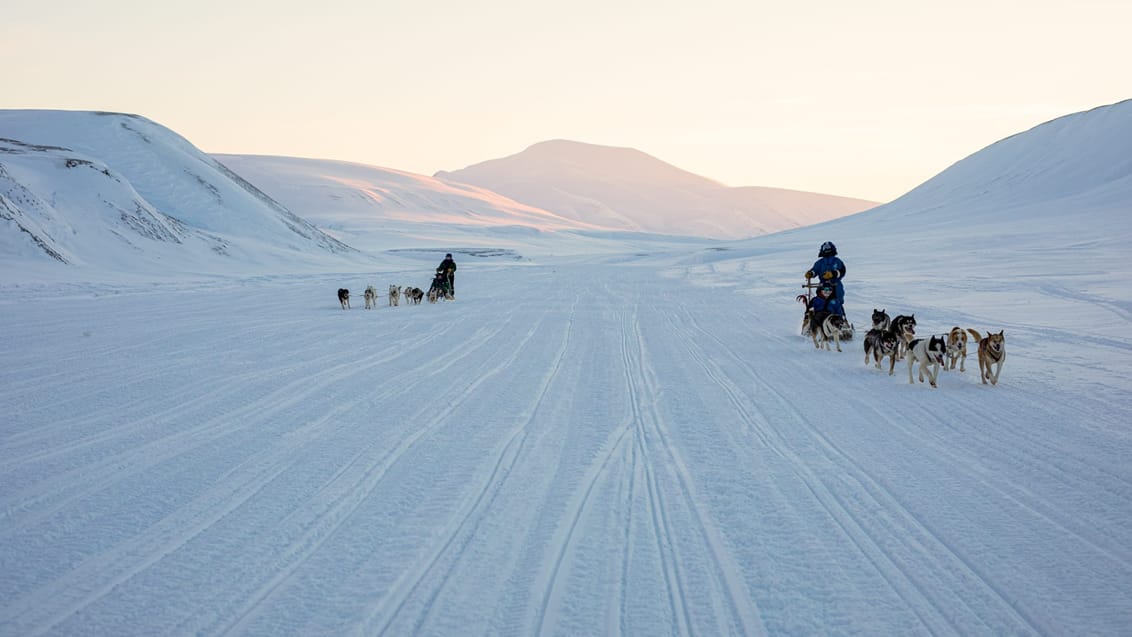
893, 338
443, 287
410, 295
896, 339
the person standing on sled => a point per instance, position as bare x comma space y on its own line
830, 269
447, 267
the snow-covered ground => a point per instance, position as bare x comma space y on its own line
568, 448
632, 442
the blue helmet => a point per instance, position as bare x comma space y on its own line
827, 249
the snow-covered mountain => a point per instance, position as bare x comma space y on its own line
399, 214
119, 192
337, 191
627, 189
109, 190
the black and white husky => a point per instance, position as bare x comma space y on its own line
827, 327
929, 353
878, 344
904, 327
881, 320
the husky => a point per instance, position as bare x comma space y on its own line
824, 329
904, 327
880, 343
880, 320
807, 313
956, 349
394, 295
992, 354
414, 295
439, 289
928, 352
371, 297
344, 298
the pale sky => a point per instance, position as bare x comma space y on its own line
867, 98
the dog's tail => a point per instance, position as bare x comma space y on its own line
978, 337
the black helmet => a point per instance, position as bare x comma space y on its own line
827, 249
449, 255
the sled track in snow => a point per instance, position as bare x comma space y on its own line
447, 551
922, 544
652, 445
347, 497
242, 483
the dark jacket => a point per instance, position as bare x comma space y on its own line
829, 264
448, 266
837, 267
826, 306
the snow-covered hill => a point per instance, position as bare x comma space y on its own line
626, 189
120, 192
1047, 209
378, 209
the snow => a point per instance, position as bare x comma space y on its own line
603, 434
625, 189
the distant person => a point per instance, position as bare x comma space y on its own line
830, 269
447, 267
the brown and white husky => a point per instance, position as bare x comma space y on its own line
992, 354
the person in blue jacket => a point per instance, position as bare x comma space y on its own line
830, 269
825, 302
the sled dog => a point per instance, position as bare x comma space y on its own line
344, 298
880, 343
414, 295
957, 349
992, 354
929, 353
394, 295
824, 329
371, 297
807, 313
904, 327
881, 320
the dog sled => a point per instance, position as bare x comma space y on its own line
441, 288
811, 289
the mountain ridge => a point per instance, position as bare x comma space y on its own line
628, 189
